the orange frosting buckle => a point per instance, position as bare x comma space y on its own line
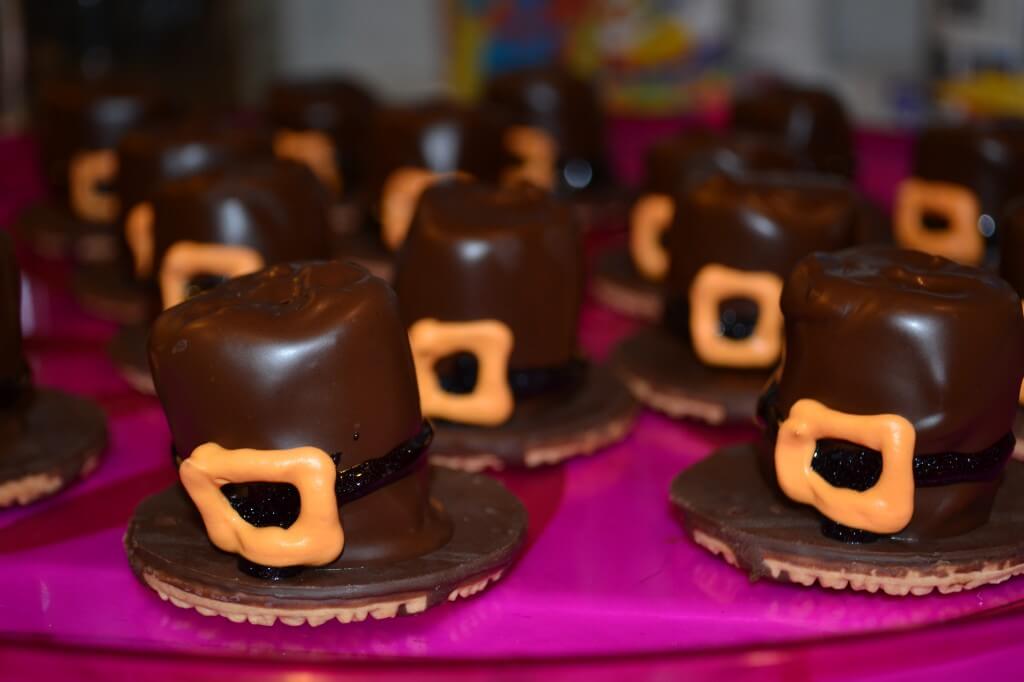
491, 402
884, 508
716, 283
651, 216
961, 241
313, 149
185, 260
316, 538
538, 153
399, 196
138, 232
87, 171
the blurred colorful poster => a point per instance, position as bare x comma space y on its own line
648, 56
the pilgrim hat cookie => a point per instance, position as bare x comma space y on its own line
199, 230
962, 179
325, 123
50, 439
811, 120
414, 147
629, 279
78, 126
305, 492
555, 133
732, 243
145, 158
884, 463
489, 282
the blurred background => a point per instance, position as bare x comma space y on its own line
893, 63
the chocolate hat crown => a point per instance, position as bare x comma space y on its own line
78, 116
810, 120
692, 155
1011, 251
303, 354
341, 108
153, 154
513, 254
273, 206
439, 136
564, 106
984, 156
757, 223
14, 372
878, 330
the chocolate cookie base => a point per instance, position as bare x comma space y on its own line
55, 438
729, 509
364, 247
109, 293
617, 285
601, 210
52, 232
664, 374
169, 551
542, 430
128, 351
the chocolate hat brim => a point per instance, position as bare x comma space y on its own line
730, 509
617, 285
169, 551
60, 439
52, 232
543, 430
109, 292
664, 374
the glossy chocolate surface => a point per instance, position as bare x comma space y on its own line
341, 108
757, 223
565, 107
1011, 250
878, 330
82, 116
273, 206
154, 154
984, 156
14, 371
303, 354
513, 254
812, 121
690, 156
440, 136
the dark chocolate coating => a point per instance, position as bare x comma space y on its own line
877, 330
82, 116
691, 155
757, 223
276, 207
812, 121
341, 108
1011, 250
151, 155
564, 106
14, 372
984, 156
440, 136
310, 354
512, 254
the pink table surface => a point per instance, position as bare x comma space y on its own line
608, 583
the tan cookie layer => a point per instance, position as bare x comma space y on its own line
674, 405
643, 305
343, 613
541, 454
37, 486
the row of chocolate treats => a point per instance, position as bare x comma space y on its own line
103, 141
